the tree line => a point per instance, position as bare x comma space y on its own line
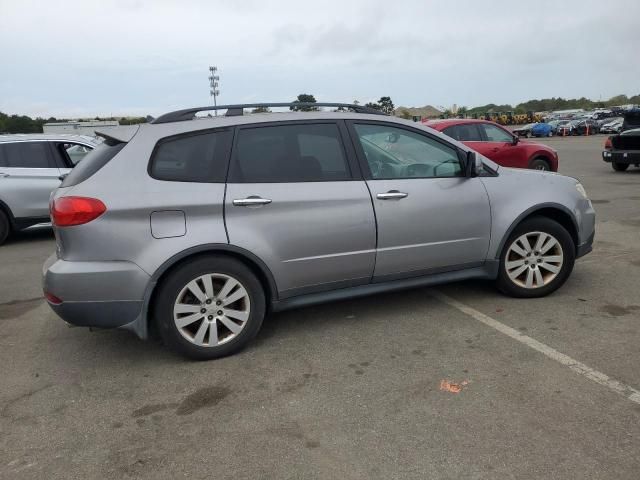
25, 124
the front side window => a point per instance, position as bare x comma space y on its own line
200, 157
25, 155
496, 134
398, 153
464, 133
289, 153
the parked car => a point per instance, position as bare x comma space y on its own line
196, 229
30, 169
564, 128
623, 149
499, 144
524, 130
584, 126
612, 126
543, 130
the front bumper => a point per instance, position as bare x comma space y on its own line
585, 247
95, 294
621, 156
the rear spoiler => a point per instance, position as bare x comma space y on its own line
121, 134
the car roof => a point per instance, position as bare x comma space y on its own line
48, 137
444, 123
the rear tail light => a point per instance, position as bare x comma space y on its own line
69, 211
52, 298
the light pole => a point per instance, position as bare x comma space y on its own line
213, 86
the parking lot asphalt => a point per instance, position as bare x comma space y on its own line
358, 389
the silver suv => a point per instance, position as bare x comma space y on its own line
30, 169
197, 227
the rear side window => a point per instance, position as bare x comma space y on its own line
464, 133
25, 155
288, 154
198, 157
92, 162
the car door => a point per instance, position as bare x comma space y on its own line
295, 199
471, 135
28, 175
503, 147
430, 216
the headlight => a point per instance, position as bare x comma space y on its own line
582, 191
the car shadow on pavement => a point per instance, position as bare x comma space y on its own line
33, 234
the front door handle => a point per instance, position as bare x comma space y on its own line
251, 201
392, 195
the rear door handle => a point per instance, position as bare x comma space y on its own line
392, 195
251, 201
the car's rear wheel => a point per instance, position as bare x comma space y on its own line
536, 259
209, 307
5, 227
619, 167
540, 164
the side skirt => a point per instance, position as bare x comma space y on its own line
487, 271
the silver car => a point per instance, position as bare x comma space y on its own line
30, 169
195, 228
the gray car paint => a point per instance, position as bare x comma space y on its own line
314, 236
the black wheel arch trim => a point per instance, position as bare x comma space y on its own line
5, 208
530, 211
140, 326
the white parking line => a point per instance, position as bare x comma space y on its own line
578, 367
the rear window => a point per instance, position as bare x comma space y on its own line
25, 155
200, 157
464, 133
92, 162
289, 153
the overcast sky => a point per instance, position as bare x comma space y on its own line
136, 57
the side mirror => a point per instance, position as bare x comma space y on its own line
474, 164
515, 140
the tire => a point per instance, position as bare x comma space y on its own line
210, 333
544, 271
5, 227
550, 134
540, 164
619, 167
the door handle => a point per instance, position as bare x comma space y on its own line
392, 195
495, 149
251, 201
4, 175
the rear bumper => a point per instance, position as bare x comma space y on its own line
95, 294
621, 156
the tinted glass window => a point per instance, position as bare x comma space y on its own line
194, 158
25, 155
92, 162
496, 134
397, 153
289, 153
464, 133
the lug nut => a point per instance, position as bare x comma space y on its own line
219, 312
218, 303
207, 301
210, 317
203, 310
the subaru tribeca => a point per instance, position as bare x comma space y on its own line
197, 227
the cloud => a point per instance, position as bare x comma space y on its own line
153, 55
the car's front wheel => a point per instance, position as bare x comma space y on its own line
536, 259
619, 167
209, 307
540, 164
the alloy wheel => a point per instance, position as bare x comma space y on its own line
534, 260
211, 310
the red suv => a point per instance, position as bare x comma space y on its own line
498, 143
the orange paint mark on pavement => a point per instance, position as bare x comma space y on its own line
452, 387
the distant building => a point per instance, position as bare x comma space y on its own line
79, 127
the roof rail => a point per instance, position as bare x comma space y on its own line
238, 110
